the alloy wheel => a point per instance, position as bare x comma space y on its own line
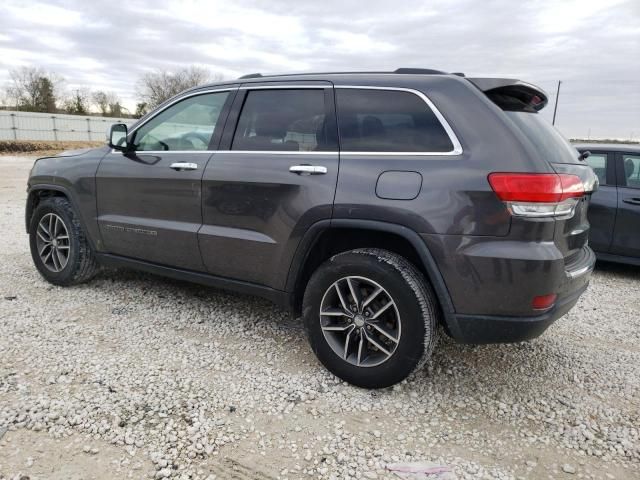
360, 321
53, 242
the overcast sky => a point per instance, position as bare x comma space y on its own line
592, 46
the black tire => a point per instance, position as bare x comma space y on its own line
413, 296
81, 264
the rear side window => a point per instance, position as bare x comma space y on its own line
282, 120
598, 162
388, 121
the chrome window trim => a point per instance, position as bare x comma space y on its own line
282, 152
288, 152
405, 154
263, 152
457, 146
164, 152
291, 87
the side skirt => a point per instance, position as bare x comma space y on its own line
280, 298
609, 257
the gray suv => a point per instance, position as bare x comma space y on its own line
378, 206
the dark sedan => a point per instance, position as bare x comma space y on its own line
614, 212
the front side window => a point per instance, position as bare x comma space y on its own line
598, 162
631, 166
388, 121
186, 125
282, 120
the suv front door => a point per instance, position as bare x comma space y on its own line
274, 176
149, 200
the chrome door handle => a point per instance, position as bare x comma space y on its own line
180, 166
308, 169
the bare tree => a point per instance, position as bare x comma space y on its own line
108, 103
101, 100
156, 87
78, 103
116, 109
4, 101
141, 109
32, 89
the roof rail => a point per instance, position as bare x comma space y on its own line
402, 70
419, 71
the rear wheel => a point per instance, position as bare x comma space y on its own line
370, 316
59, 247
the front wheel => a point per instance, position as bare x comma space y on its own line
59, 247
370, 316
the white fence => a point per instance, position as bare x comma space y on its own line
55, 126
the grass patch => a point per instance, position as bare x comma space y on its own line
30, 147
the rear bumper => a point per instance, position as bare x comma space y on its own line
501, 329
492, 282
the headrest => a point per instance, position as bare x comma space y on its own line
629, 167
271, 125
372, 126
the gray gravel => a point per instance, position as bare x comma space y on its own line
174, 380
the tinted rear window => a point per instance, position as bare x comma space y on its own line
282, 120
548, 142
388, 121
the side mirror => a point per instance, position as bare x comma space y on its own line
118, 137
584, 155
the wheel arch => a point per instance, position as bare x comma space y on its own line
36, 194
41, 191
326, 238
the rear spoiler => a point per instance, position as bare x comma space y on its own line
511, 94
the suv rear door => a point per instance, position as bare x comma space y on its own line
274, 176
626, 235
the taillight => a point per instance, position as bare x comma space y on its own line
542, 302
538, 194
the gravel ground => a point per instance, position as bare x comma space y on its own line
134, 376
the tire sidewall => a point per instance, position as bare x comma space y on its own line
412, 338
67, 274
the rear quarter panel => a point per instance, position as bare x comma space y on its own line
455, 198
476, 243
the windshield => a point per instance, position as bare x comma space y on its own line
547, 141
